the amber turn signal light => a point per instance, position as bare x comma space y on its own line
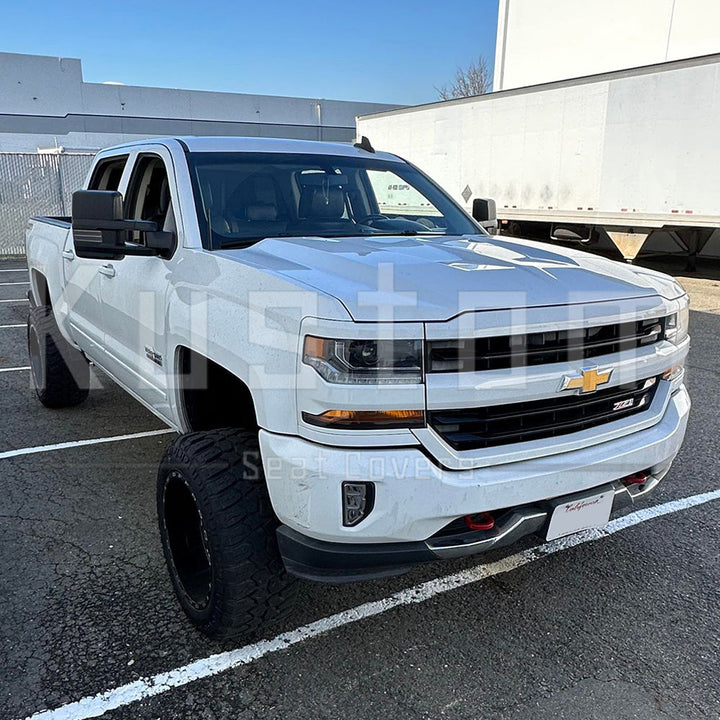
674, 372
367, 419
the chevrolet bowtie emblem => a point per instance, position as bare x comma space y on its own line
588, 379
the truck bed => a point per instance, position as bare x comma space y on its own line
61, 220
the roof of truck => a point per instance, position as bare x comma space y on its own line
255, 144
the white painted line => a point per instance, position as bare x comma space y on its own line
80, 443
13, 270
26, 282
96, 705
20, 325
15, 300
15, 369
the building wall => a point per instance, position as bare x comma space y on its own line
541, 41
45, 103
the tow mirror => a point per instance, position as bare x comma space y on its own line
485, 212
100, 231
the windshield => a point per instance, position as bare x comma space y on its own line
242, 198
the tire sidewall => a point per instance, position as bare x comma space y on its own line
60, 372
249, 585
199, 615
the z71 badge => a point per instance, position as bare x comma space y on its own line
623, 404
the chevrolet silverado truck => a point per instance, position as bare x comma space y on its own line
358, 386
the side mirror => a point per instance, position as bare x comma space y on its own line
101, 232
485, 212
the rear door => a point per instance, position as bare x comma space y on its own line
134, 289
83, 276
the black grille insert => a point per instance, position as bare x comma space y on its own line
471, 429
541, 348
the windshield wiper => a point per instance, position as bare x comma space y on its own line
251, 240
408, 233
248, 241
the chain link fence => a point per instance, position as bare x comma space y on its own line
36, 184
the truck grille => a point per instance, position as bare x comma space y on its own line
471, 429
541, 348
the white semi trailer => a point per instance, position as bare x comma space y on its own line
629, 158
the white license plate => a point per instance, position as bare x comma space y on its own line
576, 515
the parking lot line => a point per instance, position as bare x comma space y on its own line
14, 300
80, 443
14, 270
19, 325
96, 705
15, 369
20, 282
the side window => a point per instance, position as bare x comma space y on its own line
107, 173
148, 194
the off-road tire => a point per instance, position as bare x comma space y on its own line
60, 373
217, 529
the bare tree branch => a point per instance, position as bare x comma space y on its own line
476, 79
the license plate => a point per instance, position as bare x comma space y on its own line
579, 514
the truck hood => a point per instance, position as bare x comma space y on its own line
436, 278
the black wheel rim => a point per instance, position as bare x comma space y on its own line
187, 541
35, 357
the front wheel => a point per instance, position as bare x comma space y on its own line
60, 373
217, 529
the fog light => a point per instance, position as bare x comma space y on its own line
358, 499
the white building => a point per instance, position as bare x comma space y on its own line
540, 41
45, 103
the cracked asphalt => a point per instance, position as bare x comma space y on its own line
625, 627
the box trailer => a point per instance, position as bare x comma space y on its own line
628, 159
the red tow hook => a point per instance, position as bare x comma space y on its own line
636, 479
480, 521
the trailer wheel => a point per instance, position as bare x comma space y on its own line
60, 373
217, 529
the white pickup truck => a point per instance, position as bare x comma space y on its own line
356, 391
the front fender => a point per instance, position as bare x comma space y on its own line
248, 322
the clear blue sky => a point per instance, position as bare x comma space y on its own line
376, 50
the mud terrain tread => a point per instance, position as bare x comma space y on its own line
64, 373
250, 586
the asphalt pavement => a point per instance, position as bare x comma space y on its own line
624, 626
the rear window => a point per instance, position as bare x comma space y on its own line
107, 173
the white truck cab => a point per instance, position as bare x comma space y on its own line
359, 385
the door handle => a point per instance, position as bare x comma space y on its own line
68, 254
107, 270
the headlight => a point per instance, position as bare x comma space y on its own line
676, 325
365, 362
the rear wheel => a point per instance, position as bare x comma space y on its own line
217, 529
60, 373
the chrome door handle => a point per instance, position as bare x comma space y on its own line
68, 254
107, 270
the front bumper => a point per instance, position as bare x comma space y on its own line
322, 561
415, 497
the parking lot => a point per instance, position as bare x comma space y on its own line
622, 624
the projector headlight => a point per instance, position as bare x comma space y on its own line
365, 362
676, 325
